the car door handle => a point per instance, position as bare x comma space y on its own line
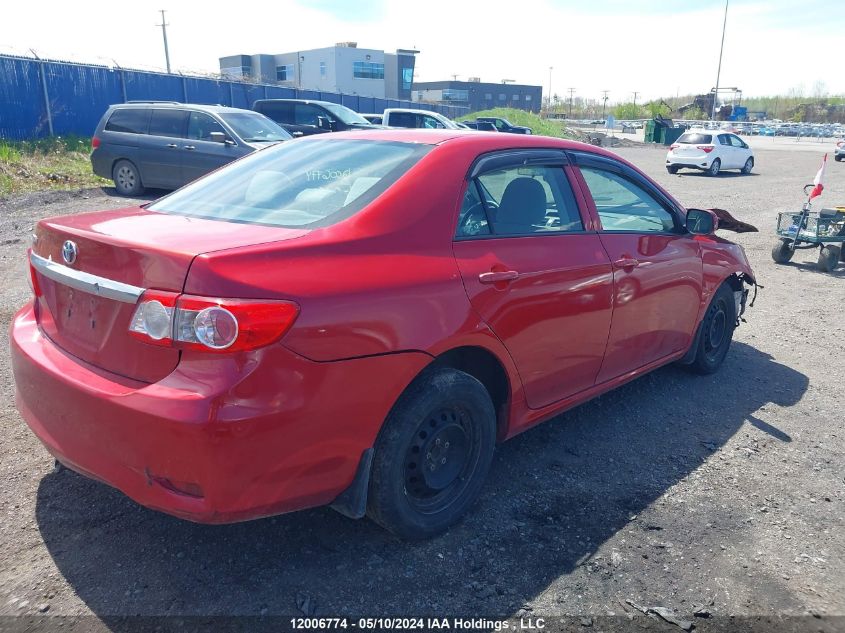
626, 262
190, 147
497, 276
172, 145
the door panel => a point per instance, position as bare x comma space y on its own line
201, 154
554, 317
160, 153
655, 302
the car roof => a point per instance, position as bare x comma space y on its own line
317, 101
217, 109
414, 110
486, 141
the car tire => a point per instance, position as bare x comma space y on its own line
837, 158
126, 179
714, 168
749, 165
672, 169
432, 455
715, 333
782, 251
828, 258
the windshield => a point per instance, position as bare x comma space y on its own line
350, 117
305, 184
253, 127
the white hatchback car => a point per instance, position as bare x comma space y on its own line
710, 152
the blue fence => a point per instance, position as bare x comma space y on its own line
41, 97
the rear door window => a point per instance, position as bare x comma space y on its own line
306, 114
169, 123
131, 120
279, 111
723, 139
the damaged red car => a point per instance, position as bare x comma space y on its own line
357, 319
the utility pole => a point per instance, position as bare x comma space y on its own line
571, 92
719, 69
551, 68
604, 104
635, 97
164, 26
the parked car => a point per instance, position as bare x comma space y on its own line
839, 151
167, 144
503, 125
374, 118
481, 126
410, 118
710, 152
302, 117
357, 319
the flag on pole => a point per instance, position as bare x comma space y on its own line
818, 181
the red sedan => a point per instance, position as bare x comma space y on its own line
357, 319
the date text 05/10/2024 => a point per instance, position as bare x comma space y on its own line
418, 624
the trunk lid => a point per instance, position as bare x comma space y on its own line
134, 247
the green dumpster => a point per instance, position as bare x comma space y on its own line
672, 134
648, 132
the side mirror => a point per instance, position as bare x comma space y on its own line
702, 222
220, 137
324, 123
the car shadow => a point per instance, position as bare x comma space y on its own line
722, 174
554, 495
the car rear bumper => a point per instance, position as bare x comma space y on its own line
101, 163
692, 162
218, 440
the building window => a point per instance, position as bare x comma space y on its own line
488, 96
516, 97
451, 94
503, 96
407, 78
528, 97
322, 69
367, 70
284, 73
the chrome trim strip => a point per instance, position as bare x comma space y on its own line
86, 282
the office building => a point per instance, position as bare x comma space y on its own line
477, 95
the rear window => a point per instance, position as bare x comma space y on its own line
696, 139
129, 120
305, 184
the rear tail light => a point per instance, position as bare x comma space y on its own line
210, 325
705, 148
33, 276
95, 143
840, 144
674, 145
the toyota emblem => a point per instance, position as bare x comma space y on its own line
69, 252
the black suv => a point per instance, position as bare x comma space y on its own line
165, 145
503, 125
302, 117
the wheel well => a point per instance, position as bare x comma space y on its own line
488, 370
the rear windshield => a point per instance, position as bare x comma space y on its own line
302, 184
696, 139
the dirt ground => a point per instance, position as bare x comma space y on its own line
721, 494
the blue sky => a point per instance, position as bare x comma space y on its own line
654, 47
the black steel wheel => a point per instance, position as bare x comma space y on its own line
715, 332
432, 455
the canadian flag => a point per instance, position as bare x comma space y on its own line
818, 181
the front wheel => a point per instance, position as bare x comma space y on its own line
749, 165
715, 166
433, 454
715, 332
828, 258
782, 252
672, 169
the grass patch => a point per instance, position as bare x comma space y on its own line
544, 127
56, 162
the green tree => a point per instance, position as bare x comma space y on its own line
694, 114
628, 111
657, 108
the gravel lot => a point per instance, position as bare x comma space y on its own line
723, 492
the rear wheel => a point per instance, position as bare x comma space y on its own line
749, 165
672, 169
715, 166
828, 258
433, 454
782, 251
715, 332
837, 158
126, 178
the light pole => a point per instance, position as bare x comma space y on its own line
163, 26
604, 102
551, 68
571, 92
719, 69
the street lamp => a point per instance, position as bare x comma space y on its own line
719, 69
551, 68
